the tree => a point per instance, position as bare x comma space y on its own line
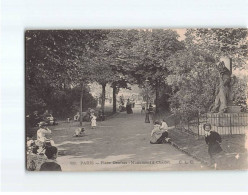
114, 52
152, 51
231, 42
142, 54
193, 74
59, 60
193, 79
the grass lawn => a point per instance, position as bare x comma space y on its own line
234, 146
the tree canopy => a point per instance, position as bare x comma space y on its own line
184, 73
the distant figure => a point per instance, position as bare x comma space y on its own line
213, 140
76, 117
93, 121
35, 119
147, 120
151, 111
79, 132
51, 164
150, 107
143, 108
129, 107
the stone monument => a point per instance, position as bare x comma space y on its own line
224, 99
225, 117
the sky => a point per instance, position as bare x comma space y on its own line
181, 32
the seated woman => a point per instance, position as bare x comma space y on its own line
43, 134
158, 135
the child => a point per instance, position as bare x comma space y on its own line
79, 132
164, 125
76, 117
93, 121
50, 164
213, 141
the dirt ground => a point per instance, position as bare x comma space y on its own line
117, 144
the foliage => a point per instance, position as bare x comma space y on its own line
193, 79
240, 92
56, 62
218, 42
193, 74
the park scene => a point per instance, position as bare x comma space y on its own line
136, 99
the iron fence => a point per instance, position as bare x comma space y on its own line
224, 123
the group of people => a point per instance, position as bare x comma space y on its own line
35, 118
159, 134
90, 115
43, 145
42, 141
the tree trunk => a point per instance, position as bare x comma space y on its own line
103, 100
114, 98
157, 96
81, 105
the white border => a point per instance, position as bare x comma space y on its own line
70, 14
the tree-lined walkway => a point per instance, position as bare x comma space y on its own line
123, 140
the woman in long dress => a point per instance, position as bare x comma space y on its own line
93, 121
129, 107
147, 120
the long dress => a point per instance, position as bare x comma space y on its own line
158, 135
147, 120
93, 121
129, 108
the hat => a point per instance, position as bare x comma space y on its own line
41, 124
156, 122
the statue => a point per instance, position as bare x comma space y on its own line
223, 91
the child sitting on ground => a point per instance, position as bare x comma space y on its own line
50, 164
79, 132
164, 128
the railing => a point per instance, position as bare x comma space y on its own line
224, 124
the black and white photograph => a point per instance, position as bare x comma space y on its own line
141, 99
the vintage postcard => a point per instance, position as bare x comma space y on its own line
136, 99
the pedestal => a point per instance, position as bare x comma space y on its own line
233, 109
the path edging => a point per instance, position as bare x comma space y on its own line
188, 153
